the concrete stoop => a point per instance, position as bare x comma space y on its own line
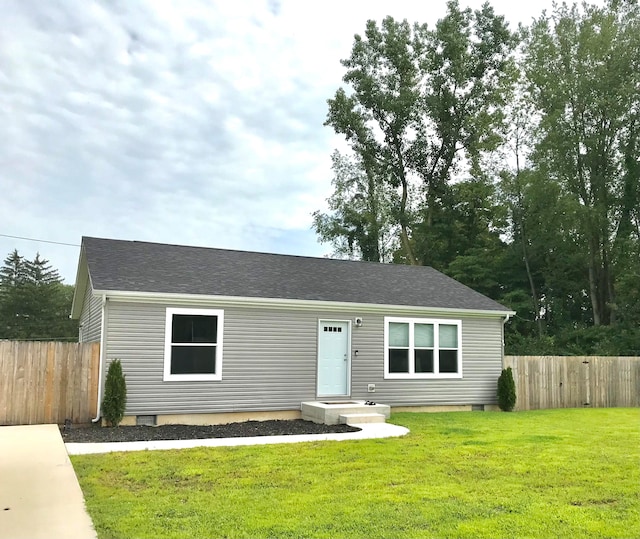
349, 412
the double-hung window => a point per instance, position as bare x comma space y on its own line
193, 344
422, 348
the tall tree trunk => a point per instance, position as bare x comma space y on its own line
404, 234
532, 286
523, 239
594, 279
375, 220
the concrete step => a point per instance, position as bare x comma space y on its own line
329, 412
354, 419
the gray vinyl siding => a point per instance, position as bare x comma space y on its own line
91, 317
481, 367
270, 359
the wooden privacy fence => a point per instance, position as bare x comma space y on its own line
575, 382
48, 382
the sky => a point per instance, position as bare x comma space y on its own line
187, 122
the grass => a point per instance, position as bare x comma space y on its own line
552, 473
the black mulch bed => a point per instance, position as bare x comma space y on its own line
95, 434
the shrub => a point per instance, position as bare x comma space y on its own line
115, 394
506, 390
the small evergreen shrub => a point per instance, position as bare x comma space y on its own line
115, 394
506, 390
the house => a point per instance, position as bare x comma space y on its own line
212, 335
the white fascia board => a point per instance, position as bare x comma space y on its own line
80, 286
299, 304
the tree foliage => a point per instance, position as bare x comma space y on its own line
506, 390
521, 180
114, 401
34, 304
582, 74
360, 223
421, 99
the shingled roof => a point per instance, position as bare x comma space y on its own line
134, 266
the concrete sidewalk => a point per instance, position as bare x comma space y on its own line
368, 431
39, 493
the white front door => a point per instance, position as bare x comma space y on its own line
334, 358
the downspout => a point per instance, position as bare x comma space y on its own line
506, 319
102, 352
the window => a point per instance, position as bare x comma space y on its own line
193, 344
333, 328
422, 348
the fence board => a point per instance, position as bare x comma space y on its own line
575, 382
48, 382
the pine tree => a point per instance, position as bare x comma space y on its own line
43, 297
39, 271
13, 273
13, 278
34, 304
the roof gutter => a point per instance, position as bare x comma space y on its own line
102, 352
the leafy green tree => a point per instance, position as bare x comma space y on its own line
548, 223
473, 249
383, 74
359, 224
469, 72
582, 68
419, 101
572, 195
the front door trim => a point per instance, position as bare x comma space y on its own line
348, 373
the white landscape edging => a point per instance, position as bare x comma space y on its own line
368, 431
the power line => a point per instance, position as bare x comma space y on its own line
42, 339
43, 241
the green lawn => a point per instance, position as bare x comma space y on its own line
552, 473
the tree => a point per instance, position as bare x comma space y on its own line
506, 390
582, 69
421, 99
34, 304
548, 224
470, 74
114, 401
13, 281
40, 272
378, 116
359, 225
13, 273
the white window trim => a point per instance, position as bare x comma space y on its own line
436, 348
167, 345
